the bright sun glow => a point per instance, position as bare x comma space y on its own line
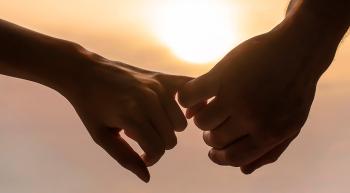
197, 31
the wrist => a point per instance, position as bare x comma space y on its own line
312, 36
81, 69
314, 20
56, 64
73, 67
330, 12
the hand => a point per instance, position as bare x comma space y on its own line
111, 97
263, 92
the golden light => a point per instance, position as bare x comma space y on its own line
197, 31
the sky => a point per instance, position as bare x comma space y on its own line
45, 147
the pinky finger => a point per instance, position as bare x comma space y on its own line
122, 152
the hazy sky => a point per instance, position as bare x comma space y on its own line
45, 148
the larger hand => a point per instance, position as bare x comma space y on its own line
263, 92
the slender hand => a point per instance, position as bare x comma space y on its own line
108, 96
116, 97
265, 87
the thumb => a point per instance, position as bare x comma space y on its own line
198, 90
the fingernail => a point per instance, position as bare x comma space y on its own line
146, 177
142, 172
147, 160
211, 154
189, 115
214, 157
248, 171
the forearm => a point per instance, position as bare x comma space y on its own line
316, 28
318, 19
335, 11
36, 57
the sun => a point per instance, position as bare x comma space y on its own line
197, 31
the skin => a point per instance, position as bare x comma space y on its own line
264, 88
110, 97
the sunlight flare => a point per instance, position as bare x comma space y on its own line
197, 31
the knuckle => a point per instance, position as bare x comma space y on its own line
150, 93
98, 135
299, 122
98, 139
156, 86
158, 148
213, 140
157, 77
273, 160
233, 160
201, 122
171, 143
236, 161
159, 152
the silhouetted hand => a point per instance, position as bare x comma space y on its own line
263, 92
108, 96
111, 97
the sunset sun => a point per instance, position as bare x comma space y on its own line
199, 32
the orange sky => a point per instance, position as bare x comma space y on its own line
45, 148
